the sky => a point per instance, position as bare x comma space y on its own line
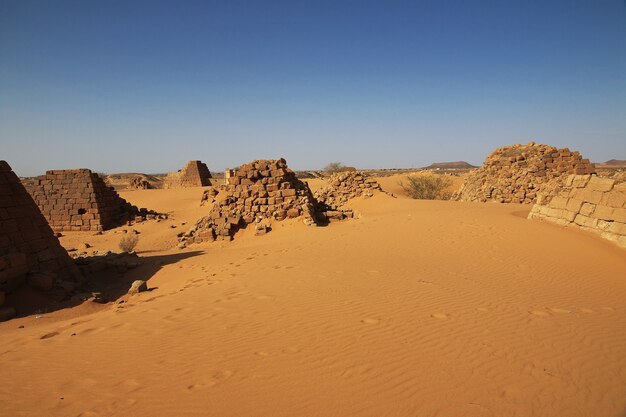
145, 86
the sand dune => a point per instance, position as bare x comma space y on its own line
417, 308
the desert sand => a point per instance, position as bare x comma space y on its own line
416, 308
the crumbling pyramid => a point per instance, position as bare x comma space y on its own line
518, 173
80, 200
259, 192
29, 251
194, 174
344, 186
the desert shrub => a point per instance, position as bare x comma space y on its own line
128, 243
334, 167
427, 186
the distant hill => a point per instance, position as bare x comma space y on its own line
613, 163
450, 165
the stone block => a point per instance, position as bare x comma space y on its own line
619, 215
600, 184
585, 221
574, 205
558, 203
580, 181
615, 198
587, 208
603, 212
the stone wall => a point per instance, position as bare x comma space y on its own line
518, 173
79, 200
194, 174
260, 191
589, 202
29, 251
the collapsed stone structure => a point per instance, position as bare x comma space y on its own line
29, 251
518, 173
589, 202
139, 183
260, 191
344, 186
194, 174
80, 200
209, 195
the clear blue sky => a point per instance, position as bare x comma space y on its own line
120, 86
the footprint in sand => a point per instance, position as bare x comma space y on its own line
370, 321
201, 385
214, 379
49, 335
539, 313
440, 316
130, 385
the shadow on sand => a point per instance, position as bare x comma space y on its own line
107, 279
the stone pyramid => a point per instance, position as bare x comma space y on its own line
79, 200
194, 174
29, 251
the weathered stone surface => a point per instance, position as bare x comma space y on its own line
208, 196
194, 174
28, 245
7, 313
523, 173
587, 206
42, 281
80, 200
137, 287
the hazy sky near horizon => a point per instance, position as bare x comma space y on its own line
145, 86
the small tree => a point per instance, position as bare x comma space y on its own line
128, 243
334, 167
427, 186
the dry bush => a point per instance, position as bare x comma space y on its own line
334, 167
427, 186
128, 243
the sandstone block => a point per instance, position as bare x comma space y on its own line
574, 204
587, 209
585, 221
615, 198
580, 181
600, 184
558, 203
619, 215
137, 287
603, 212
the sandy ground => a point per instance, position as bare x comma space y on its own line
417, 308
